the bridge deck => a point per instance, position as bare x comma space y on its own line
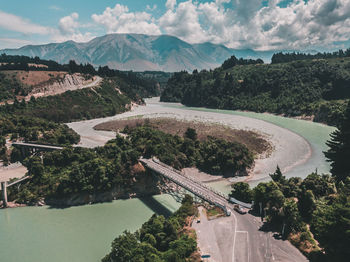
191, 185
18, 181
37, 146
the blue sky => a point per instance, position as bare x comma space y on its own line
255, 24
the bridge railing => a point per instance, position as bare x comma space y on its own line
195, 191
156, 160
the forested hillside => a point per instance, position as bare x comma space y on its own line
130, 82
311, 87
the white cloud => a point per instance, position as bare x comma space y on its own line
248, 24
68, 29
234, 23
170, 4
120, 20
18, 24
69, 24
183, 22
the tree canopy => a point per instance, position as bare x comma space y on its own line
339, 149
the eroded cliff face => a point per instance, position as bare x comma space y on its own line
61, 84
143, 184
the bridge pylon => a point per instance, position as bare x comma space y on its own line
4, 193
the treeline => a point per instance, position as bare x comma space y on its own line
233, 61
143, 86
20, 62
319, 204
91, 171
289, 57
308, 87
158, 240
132, 84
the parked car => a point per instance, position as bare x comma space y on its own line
239, 209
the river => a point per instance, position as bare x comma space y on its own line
85, 233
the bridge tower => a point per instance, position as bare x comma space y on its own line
4, 193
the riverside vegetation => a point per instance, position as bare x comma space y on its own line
315, 211
159, 239
63, 174
301, 85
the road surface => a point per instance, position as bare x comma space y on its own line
237, 239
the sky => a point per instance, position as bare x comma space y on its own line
241, 24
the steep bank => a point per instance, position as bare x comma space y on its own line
144, 185
25, 84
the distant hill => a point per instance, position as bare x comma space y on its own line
139, 53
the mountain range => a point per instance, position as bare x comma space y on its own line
139, 52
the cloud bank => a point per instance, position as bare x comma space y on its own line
240, 23
255, 24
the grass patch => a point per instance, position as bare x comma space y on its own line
215, 212
305, 242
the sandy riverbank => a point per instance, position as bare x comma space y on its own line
290, 149
16, 170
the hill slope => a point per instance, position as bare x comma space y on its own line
314, 88
138, 52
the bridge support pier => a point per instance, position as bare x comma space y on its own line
4, 193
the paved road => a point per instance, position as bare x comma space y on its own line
16, 170
237, 239
96, 82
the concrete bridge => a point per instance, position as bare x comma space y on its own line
198, 189
36, 147
25, 148
5, 185
32, 148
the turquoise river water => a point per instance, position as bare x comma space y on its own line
84, 233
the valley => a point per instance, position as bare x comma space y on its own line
89, 150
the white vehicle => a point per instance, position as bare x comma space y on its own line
239, 209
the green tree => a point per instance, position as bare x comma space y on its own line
331, 226
306, 204
277, 176
339, 149
242, 192
191, 133
123, 248
291, 217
